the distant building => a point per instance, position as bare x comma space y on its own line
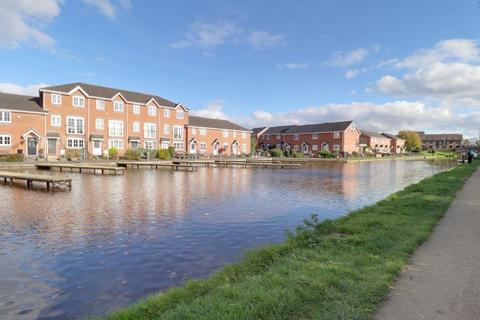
336, 137
443, 141
397, 144
377, 142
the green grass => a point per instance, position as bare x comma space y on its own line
336, 269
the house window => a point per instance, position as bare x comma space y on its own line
225, 133
296, 147
267, 137
336, 147
5, 116
136, 127
55, 120
5, 141
134, 144
244, 135
203, 131
279, 137
56, 99
296, 137
166, 128
149, 130
74, 143
115, 128
203, 146
152, 110
177, 132
136, 109
178, 146
164, 145
179, 114
336, 135
100, 104
166, 113
315, 147
99, 124
118, 106
225, 146
78, 101
244, 148
315, 136
115, 143
149, 145
194, 131
75, 125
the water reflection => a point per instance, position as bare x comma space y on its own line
112, 240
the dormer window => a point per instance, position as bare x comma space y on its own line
136, 109
152, 110
118, 106
179, 114
78, 101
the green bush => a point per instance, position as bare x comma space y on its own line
132, 154
171, 150
275, 152
73, 154
113, 153
297, 155
18, 157
326, 154
164, 154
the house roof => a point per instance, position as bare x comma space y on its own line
213, 123
278, 129
373, 134
441, 137
256, 131
108, 93
320, 127
19, 102
391, 136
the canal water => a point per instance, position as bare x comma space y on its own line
115, 239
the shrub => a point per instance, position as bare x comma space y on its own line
326, 154
18, 157
132, 154
297, 155
171, 150
275, 152
113, 153
72, 154
164, 154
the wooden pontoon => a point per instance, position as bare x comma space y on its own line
81, 167
51, 182
156, 165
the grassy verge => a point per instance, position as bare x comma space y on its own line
335, 269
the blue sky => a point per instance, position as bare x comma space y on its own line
388, 65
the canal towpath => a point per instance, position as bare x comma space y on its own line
442, 279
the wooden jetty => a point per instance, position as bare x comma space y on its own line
81, 167
51, 182
239, 163
178, 166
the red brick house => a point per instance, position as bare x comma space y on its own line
271, 137
207, 136
397, 144
377, 142
441, 141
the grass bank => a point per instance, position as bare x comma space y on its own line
335, 269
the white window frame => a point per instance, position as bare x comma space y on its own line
315, 136
76, 101
178, 146
151, 145
152, 111
3, 117
56, 99
136, 126
180, 114
176, 136
75, 125
166, 128
225, 133
147, 130
296, 137
164, 145
336, 147
3, 137
75, 143
225, 146
194, 131
100, 104
314, 147
203, 131
336, 135
118, 106
115, 143
279, 137
166, 113
57, 122
97, 122
136, 109
114, 133
203, 147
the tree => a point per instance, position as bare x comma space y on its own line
413, 142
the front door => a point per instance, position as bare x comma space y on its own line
215, 149
193, 147
97, 148
52, 147
235, 149
31, 146
305, 148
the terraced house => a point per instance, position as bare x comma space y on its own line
376, 142
336, 137
208, 136
95, 118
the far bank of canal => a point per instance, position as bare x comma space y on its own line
115, 239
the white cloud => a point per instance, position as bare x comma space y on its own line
265, 39
387, 117
107, 7
208, 35
21, 22
342, 59
352, 73
294, 66
448, 73
213, 109
29, 90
